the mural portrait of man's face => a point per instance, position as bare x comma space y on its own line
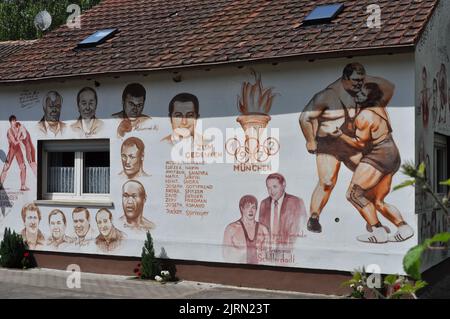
52, 108
275, 188
362, 95
133, 106
132, 159
57, 226
32, 222
184, 118
13, 123
81, 223
104, 223
87, 104
133, 200
355, 82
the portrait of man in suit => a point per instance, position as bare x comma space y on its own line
87, 124
283, 214
50, 122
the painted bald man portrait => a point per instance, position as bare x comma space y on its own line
134, 198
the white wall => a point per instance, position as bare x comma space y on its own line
200, 237
432, 54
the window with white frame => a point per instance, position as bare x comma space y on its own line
441, 163
75, 170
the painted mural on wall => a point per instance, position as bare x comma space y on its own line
254, 104
348, 123
271, 237
20, 143
162, 180
432, 76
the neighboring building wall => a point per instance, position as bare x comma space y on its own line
432, 116
191, 225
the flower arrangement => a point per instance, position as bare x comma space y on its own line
392, 287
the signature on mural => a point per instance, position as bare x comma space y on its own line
348, 123
28, 98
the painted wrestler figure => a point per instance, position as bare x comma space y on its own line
14, 152
371, 181
334, 107
30, 151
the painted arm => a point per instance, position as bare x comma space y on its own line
363, 133
11, 138
309, 120
231, 251
386, 87
22, 133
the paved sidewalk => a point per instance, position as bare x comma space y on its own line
46, 284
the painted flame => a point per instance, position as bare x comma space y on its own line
255, 98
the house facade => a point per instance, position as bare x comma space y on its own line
281, 159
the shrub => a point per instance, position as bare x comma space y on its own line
14, 252
149, 264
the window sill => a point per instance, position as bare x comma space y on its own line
83, 203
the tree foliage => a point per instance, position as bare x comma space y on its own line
17, 16
13, 251
149, 264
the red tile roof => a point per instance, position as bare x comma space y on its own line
161, 34
8, 48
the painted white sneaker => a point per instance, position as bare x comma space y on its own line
403, 233
370, 228
377, 236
